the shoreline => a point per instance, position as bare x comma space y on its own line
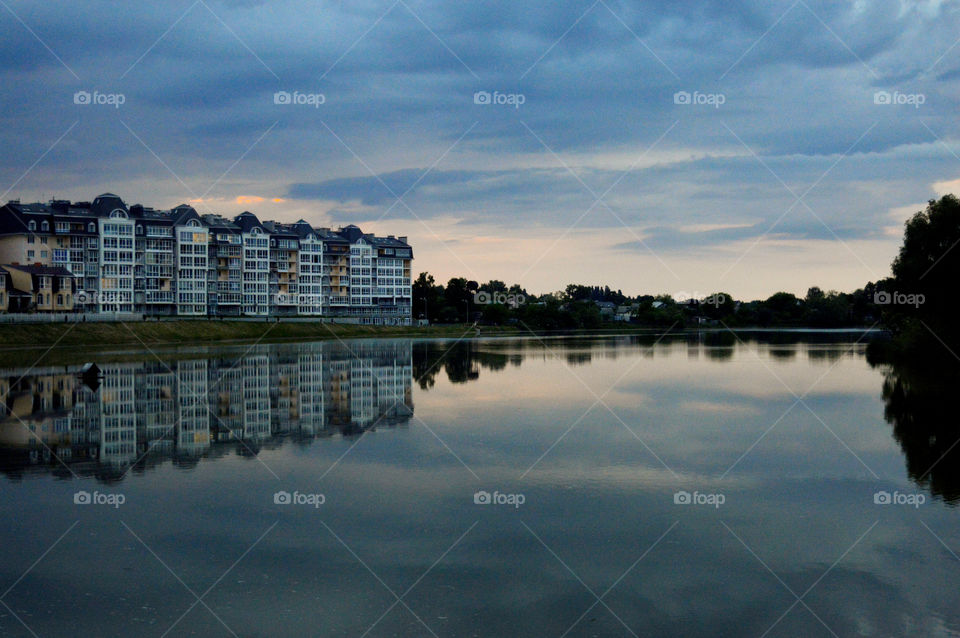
18, 336
28, 343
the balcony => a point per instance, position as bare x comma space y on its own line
159, 296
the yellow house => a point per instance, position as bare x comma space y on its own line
37, 288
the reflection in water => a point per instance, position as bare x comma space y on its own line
146, 412
920, 397
704, 412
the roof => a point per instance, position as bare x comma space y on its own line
53, 271
15, 216
247, 221
104, 204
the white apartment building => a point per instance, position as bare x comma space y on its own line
192, 261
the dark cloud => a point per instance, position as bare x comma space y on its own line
797, 79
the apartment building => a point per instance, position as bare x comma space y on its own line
136, 259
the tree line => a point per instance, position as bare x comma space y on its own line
919, 297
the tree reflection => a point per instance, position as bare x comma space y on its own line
920, 395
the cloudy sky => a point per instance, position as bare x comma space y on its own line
657, 146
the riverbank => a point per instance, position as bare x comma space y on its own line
187, 332
63, 344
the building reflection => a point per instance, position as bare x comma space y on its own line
145, 413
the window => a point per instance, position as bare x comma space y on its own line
63, 227
139, 230
60, 300
91, 227
31, 225
45, 227
31, 254
31, 239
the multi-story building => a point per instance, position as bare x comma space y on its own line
284, 270
311, 299
225, 264
255, 298
177, 263
192, 259
154, 278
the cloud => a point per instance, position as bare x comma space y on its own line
798, 81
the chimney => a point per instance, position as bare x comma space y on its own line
402, 238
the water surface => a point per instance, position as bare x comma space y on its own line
589, 449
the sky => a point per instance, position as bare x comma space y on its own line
655, 147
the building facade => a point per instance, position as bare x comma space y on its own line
112, 258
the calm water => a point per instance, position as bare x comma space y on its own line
585, 446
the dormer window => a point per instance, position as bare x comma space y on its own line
91, 227
31, 225
45, 227
118, 213
139, 230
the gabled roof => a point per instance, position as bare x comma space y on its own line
52, 271
247, 221
280, 230
183, 213
351, 233
221, 224
104, 204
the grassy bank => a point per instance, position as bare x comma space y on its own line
202, 331
65, 344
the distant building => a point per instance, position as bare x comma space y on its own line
607, 309
178, 263
37, 288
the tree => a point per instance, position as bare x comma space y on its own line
494, 285
783, 308
718, 305
928, 267
427, 297
814, 294
458, 296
